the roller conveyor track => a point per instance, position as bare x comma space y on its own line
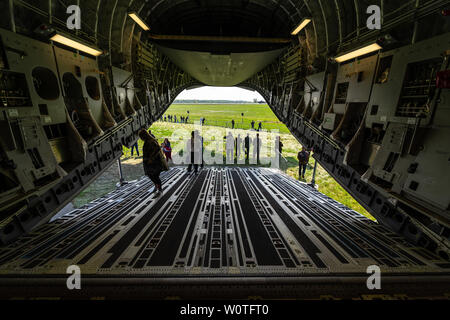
221, 226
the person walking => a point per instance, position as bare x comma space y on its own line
167, 150
135, 147
303, 160
279, 144
153, 160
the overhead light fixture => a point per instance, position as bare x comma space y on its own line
76, 44
133, 15
359, 52
302, 24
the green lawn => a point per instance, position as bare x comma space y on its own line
222, 114
327, 185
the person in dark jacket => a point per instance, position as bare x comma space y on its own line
256, 147
153, 159
194, 150
303, 159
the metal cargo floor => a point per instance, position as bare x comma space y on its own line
223, 223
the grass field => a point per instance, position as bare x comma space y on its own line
327, 185
222, 114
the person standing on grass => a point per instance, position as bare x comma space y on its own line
238, 147
202, 163
256, 146
194, 148
247, 141
259, 126
232, 123
303, 160
135, 146
153, 160
167, 149
253, 124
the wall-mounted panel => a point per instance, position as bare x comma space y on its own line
42, 84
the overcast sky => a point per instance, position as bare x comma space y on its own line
219, 93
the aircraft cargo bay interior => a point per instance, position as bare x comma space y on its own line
361, 86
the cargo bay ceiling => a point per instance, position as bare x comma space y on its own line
245, 43
226, 42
